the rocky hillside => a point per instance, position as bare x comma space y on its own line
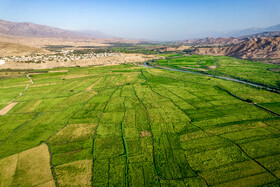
266, 47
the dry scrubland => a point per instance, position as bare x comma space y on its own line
13, 49
128, 125
42, 42
75, 42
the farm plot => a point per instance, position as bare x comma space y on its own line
28, 168
243, 69
134, 126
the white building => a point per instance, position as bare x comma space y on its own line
2, 62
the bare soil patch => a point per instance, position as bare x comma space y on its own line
212, 67
145, 134
58, 71
7, 108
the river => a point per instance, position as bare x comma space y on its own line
216, 76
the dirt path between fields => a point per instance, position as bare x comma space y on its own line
57, 71
11, 104
7, 108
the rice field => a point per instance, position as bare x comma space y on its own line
127, 125
257, 72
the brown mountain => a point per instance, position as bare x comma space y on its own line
266, 47
26, 29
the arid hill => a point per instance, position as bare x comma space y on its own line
172, 48
13, 49
26, 29
266, 47
43, 42
225, 41
213, 41
36, 35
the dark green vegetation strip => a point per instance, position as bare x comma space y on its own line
125, 150
52, 168
150, 128
134, 126
250, 102
95, 133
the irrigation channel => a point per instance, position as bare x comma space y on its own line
216, 76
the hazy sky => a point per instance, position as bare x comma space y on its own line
145, 19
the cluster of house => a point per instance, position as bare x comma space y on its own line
59, 57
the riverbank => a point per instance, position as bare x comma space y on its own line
216, 76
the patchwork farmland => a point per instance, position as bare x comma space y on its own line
256, 72
129, 125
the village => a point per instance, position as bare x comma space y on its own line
62, 56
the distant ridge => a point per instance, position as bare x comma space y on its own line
263, 34
27, 29
260, 30
249, 31
220, 41
240, 32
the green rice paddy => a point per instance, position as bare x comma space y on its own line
257, 72
127, 125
